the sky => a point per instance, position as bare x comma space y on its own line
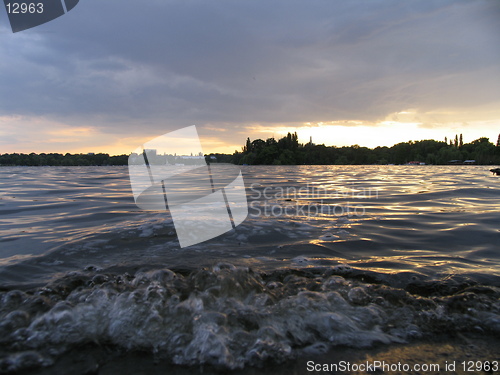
111, 75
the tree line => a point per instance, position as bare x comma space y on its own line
54, 159
288, 151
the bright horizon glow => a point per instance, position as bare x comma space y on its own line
45, 136
386, 134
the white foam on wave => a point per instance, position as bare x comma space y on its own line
226, 316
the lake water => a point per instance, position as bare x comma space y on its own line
328, 256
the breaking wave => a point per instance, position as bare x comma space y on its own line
231, 317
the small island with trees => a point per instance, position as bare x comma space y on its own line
288, 151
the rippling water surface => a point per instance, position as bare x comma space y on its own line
427, 219
317, 263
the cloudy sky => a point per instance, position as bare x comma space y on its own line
110, 75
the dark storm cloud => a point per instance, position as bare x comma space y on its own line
183, 62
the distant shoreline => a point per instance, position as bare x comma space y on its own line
272, 165
288, 151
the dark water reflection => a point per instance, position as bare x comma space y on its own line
430, 220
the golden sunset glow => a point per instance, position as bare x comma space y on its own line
371, 83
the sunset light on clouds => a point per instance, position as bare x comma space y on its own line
343, 73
